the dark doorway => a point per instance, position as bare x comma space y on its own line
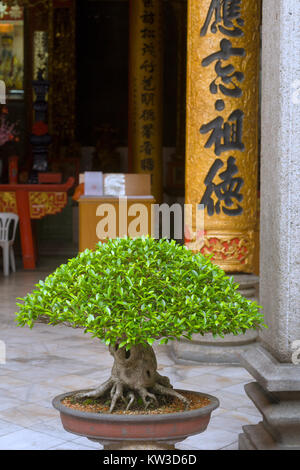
102, 68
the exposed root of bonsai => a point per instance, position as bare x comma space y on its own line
134, 374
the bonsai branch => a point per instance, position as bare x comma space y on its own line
134, 375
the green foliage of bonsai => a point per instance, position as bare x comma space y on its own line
130, 293
139, 291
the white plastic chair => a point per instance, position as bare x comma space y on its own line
6, 242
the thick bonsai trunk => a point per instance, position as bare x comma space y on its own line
134, 374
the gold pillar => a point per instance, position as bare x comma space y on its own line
222, 126
145, 91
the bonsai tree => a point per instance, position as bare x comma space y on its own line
130, 293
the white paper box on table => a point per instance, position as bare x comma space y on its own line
127, 184
93, 183
122, 184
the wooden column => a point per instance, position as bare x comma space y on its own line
27, 237
222, 126
145, 91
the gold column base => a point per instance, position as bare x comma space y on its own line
232, 251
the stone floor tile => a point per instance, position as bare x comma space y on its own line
49, 362
95, 374
4, 371
27, 414
232, 421
213, 438
191, 386
188, 374
70, 446
182, 446
53, 431
249, 409
6, 427
31, 393
13, 367
238, 389
219, 411
9, 382
46, 403
70, 382
229, 400
7, 401
55, 422
184, 372
32, 374
25, 439
87, 442
212, 381
233, 446
234, 371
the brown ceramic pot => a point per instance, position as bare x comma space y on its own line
152, 431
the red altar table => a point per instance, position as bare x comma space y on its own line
32, 201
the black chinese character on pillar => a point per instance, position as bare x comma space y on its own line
148, 17
148, 48
148, 66
148, 115
148, 130
147, 164
148, 33
148, 3
148, 83
146, 147
227, 75
225, 136
148, 99
225, 192
225, 12
224, 53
